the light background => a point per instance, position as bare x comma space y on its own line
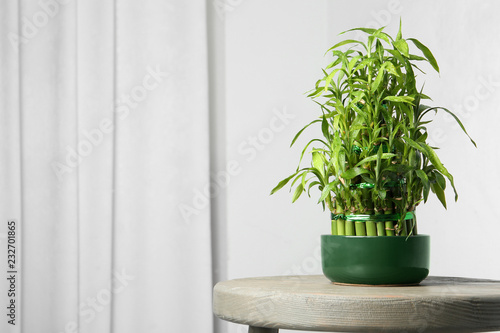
273, 53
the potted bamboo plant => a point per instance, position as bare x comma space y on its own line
371, 160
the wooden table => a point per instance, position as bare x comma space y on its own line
438, 304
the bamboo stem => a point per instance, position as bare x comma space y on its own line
409, 226
371, 228
334, 227
380, 229
360, 229
341, 227
340, 223
389, 225
403, 231
415, 231
349, 228
389, 228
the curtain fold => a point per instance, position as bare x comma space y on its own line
104, 132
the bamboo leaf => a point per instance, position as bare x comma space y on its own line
434, 159
384, 156
324, 128
307, 145
365, 30
453, 115
427, 53
311, 184
318, 162
379, 78
302, 130
440, 179
439, 193
329, 78
399, 35
328, 188
345, 42
298, 192
425, 182
402, 47
351, 173
282, 183
378, 166
352, 63
400, 99
416, 57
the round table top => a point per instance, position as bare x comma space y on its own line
438, 304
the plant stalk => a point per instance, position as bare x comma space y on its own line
371, 228
360, 229
334, 227
389, 225
349, 228
341, 227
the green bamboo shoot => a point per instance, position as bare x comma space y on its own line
334, 227
341, 227
360, 229
349, 228
389, 225
380, 228
371, 228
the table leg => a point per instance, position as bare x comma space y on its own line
253, 329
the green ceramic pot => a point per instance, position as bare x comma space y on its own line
375, 260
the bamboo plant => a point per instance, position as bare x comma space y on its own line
371, 161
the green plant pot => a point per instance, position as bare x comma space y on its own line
375, 260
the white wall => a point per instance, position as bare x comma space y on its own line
274, 53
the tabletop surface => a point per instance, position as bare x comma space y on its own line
438, 304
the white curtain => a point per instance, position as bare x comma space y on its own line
104, 130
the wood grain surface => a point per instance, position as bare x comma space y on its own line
438, 304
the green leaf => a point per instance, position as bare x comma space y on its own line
318, 162
338, 155
440, 179
299, 176
333, 64
311, 184
400, 99
434, 159
282, 183
398, 168
379, 78
453, 115
378, 165
416, 57
352, 63
427, 53
382, 35
396, 55
374, 157
307, 145
298, 192
325, 128
302, 130
366, 30
439, 193
329, 78
328, 188
399, 35
347, 41
402, 47
425, 182
386, 66
351, 173
426, 193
